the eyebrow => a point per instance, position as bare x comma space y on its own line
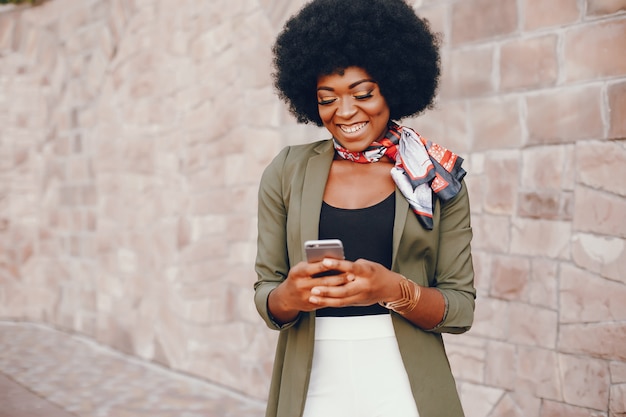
351, 86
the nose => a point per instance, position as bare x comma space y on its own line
346, 109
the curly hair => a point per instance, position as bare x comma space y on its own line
384, 37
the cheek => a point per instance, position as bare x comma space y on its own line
325, 113
377, 108
379, 111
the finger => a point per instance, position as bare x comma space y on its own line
338, 291
300, 270
340, 264
363, 267
328, 267
333, 280
333, 302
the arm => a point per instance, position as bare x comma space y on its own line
454, 272
272, 263
282, 290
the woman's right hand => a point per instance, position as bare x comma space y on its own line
292, 296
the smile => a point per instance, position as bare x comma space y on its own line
352, 128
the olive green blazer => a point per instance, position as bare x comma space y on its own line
290, 197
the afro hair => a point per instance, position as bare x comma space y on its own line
384, 37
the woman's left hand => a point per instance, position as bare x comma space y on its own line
369, 283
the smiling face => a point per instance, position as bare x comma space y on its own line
352, 108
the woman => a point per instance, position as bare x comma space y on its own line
365, 341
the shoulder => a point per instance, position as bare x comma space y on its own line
455, 213
295, 155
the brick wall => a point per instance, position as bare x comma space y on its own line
133, 134
533, 96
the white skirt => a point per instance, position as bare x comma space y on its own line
357, 370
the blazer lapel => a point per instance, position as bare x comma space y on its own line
402, 210
315, 178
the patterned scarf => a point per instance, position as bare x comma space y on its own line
422, 168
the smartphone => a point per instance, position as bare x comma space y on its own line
316, 250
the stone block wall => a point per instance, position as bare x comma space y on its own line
534, 95
133, 134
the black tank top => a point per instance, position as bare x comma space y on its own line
366, 233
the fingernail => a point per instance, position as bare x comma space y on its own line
328, 262
315, 291
313, 300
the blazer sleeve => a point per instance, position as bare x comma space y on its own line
454, 269
272, 262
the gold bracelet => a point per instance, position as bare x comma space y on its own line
411, 293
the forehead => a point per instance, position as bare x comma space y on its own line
344, 78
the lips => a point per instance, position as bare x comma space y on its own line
352, 128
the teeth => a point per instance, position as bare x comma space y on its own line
353, 128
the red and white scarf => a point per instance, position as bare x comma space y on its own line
422, 168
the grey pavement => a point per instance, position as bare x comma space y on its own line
48, 373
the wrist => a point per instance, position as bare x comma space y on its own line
279, 307
393, 289
409, 294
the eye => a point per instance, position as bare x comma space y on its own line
364, 96
325, 101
